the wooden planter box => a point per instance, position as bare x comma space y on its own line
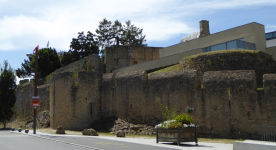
176, 135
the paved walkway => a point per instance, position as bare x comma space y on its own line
152, 142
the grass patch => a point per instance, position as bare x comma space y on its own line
70, 132
260, 86
168, 69
225, 141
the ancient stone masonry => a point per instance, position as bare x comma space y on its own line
78, 65
24, 94
228, 102
225, 102
133, 95
75, 105
123, 56
261, 62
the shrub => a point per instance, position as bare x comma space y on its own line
184, 119
175, 125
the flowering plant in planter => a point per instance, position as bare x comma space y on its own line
173, 120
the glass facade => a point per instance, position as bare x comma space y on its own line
271, 35
235, 44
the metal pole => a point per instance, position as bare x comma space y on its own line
35, 90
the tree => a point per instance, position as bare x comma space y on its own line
7, 92
117, 34
80, 47
25, 70
48, 62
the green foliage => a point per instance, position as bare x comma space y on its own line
67, 58
84, 64
87, 65
165, 110
48, 78
75, 77
184, 119
80, 47
25, 70
166, 124
48, 62
175, 125
23, 90
114, 33
167, 69
7, 92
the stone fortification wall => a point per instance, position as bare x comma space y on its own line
228, 102
74, 99
132, 95
123, 56
261, 62
93, 59
24, 94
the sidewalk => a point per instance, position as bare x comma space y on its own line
152, 142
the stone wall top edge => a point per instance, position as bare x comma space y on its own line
269, 77
171, 74
230, 74
237, 79
83, 74
131, 74
108, 75
43, 86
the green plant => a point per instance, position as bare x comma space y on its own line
48, 77
184, 119
23, 90
175, 125
75, 78
165, 110
209, 62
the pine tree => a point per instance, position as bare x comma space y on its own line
7, 92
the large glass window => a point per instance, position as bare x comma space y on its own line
231, 45
269, 36
235, 44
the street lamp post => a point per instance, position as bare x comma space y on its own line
35, 88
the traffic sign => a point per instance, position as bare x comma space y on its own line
35, 101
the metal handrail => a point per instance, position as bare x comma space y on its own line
268, 133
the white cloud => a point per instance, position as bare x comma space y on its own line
30, 23
270, 28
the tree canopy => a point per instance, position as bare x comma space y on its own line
7, 92
48, 62
80, 47
108, 33
114, 33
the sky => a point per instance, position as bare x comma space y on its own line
26, 24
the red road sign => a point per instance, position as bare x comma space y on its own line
35, 101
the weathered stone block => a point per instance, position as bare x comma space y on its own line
60, 130
90, 131
120, 134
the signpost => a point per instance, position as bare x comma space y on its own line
35, 98
35, 101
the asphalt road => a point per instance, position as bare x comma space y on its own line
13, 140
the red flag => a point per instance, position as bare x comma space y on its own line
36, 47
